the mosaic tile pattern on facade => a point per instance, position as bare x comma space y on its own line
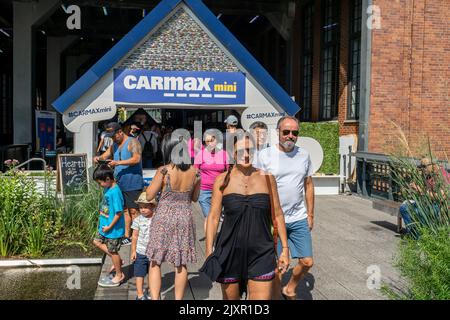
182, 45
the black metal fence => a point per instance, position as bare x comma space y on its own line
373, 176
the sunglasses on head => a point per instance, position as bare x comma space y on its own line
287, 132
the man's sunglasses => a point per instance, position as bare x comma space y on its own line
286, 132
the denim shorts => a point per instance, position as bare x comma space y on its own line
204, 199
141, 265
299, 239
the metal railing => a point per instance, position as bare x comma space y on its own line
31, 160
373, 175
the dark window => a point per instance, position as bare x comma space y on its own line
329, 88
307, 61
354, 59
5, 108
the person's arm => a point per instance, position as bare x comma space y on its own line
283, 259
106, 155
309, 192
100, 145
196, 189
113, 223
134, 239
156, 185
212, 222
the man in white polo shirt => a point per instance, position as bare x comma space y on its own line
291, 166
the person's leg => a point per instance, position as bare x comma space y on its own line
101, 246
298, 273
140, 286
230, 291
181, 279
260, 290
155, 280
115, 257
276, 286
300, 245
204, 200
127, 217
131, 208
140, 271
405, 215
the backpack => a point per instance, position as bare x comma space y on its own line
147, 151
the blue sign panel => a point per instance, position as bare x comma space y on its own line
194, 87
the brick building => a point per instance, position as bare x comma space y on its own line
394, 76
396, 73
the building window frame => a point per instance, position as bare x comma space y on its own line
307, 57
354, 60
329, 60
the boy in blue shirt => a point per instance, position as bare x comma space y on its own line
111, 227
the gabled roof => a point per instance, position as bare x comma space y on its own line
146, 25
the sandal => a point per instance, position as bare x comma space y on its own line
286, 296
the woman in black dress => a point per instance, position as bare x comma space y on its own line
244, 253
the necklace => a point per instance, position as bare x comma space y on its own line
244, 177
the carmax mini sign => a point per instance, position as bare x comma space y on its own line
150, 86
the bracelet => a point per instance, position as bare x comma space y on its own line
285, 247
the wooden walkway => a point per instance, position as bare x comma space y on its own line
348, 238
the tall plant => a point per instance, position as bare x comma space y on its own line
423, 259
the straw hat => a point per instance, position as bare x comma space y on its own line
143, 199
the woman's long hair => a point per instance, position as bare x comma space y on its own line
175, 151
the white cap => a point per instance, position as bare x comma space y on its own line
232, 120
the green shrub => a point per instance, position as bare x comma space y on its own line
80, 215
424, 262
33, 224
327, 134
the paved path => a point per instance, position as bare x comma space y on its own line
348, 238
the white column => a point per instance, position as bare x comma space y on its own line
85, 141
25, 16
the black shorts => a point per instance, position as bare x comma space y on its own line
130, 197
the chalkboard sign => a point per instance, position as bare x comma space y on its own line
72, 174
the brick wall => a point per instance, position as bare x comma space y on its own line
410, 81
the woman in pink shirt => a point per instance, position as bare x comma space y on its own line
211, 162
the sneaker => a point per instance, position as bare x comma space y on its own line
144, 297
126, 241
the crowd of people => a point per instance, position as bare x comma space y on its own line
254, 189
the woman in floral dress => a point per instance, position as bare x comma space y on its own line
172, 232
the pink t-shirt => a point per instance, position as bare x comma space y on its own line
210, 166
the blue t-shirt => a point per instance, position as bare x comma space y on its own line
111, 205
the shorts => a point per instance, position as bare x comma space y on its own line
204, 200
130, 197
141, 265
265, 277
113, 245
299, 239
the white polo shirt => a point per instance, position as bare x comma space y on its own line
290, 170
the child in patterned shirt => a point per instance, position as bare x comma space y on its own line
141, 227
